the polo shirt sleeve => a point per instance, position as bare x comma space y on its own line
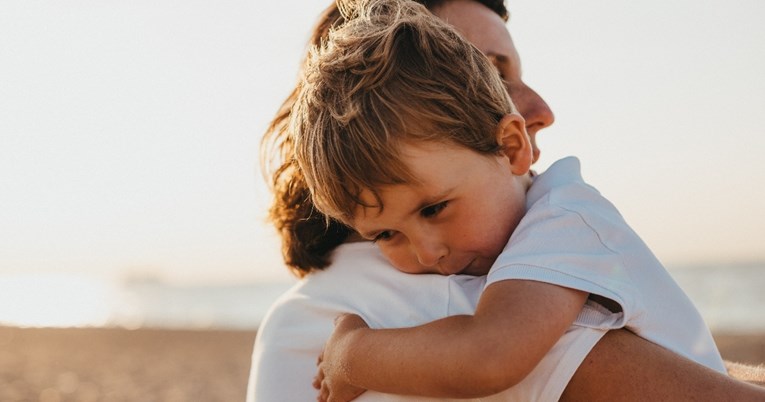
561, 245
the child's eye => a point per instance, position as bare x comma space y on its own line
382, 236
433, 210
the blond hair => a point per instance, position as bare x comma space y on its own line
392, 72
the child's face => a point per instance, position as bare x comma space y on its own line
457, 220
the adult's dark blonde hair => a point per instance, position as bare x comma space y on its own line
308, 237
392, 73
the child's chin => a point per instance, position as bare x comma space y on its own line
475, 268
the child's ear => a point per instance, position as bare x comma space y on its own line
515, 143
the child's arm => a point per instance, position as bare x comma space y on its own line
515, 324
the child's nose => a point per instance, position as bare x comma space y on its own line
429, 252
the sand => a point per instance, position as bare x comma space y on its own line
123, 365
164, 365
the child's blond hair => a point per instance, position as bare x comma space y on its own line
393, 72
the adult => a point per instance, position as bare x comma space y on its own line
360, 280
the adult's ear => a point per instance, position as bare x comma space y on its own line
515, 143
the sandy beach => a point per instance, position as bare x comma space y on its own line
123, 365
58, 365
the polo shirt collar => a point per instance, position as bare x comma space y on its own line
560, 173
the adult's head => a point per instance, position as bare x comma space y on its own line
487, 30
307, 239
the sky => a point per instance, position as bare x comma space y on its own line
129, 131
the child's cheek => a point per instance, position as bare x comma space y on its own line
401, 258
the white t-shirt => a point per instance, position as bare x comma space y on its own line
361, 281
573, 237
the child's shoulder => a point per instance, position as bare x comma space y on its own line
557, 182
561, 187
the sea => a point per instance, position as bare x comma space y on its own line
731, 298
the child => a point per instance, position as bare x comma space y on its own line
404, 131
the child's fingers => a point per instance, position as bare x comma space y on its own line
320, 358
317, 380
324, 393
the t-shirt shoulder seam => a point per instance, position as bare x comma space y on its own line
586, 223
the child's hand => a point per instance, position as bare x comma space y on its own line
332, 379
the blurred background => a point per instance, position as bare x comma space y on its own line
130, 192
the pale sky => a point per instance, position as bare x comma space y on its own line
129, 130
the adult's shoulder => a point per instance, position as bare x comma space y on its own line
361, 281
297, 324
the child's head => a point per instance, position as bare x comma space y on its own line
404, 131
